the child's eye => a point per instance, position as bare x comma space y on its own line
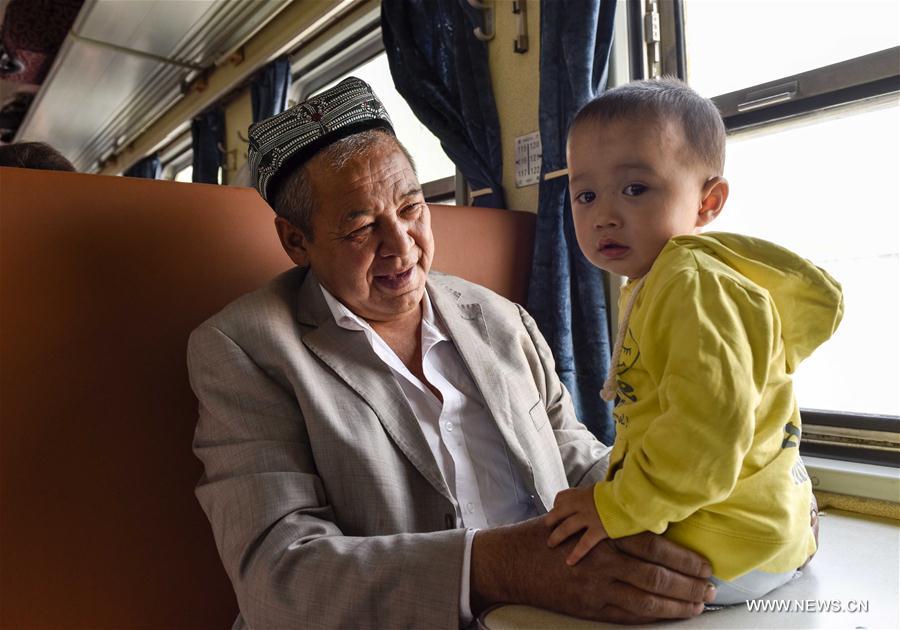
633, 190
585, 197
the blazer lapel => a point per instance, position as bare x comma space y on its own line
470, 333
351, 357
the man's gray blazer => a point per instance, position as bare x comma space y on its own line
326, 503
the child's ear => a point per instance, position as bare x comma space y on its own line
715, 193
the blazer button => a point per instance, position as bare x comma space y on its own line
449, 521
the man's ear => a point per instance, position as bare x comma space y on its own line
715, 193
292, 240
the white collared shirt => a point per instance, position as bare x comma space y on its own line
461, 433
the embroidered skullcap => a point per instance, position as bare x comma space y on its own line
279, 145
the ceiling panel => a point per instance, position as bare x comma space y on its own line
96, 99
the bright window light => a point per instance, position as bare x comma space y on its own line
827, 189
185, 174
734, 44
431, 161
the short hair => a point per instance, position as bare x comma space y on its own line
664, 99
39, 155
294, 198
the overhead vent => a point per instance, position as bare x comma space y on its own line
124, 64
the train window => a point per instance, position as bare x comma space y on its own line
827, 189
177, 159
812, 160
185, 174
738, 43
431, 161
362, 55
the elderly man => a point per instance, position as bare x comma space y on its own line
378, 439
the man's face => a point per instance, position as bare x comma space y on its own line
372, 243
633, 186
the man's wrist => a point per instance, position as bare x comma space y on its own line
485, 590
500, 558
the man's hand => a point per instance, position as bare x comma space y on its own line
573, 511
628, 580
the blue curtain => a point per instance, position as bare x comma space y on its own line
566, 294
148, 168
269, 90
441, 69
208, 142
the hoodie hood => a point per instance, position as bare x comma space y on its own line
809, 301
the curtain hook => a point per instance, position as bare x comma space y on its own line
487, 34
520, 44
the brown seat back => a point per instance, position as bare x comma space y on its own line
101, 281
490, 247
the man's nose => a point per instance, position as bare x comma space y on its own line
396, 241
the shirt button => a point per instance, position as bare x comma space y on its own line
470, 507
449, 426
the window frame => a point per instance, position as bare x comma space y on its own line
850, 82
856, 82
854, 437
847, 83
315, 68
440, 190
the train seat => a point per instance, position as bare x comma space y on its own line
101, 281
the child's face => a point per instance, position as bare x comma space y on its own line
633, 186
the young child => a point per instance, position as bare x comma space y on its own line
712, 327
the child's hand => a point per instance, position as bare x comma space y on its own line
573, 511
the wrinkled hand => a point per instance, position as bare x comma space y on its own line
573, 511
634, 579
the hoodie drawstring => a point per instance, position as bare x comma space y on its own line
608, 392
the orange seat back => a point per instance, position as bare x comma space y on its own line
487, 246
101, 281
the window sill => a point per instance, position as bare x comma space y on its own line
856, 564
869, 481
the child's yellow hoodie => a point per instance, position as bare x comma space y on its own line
707, 425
